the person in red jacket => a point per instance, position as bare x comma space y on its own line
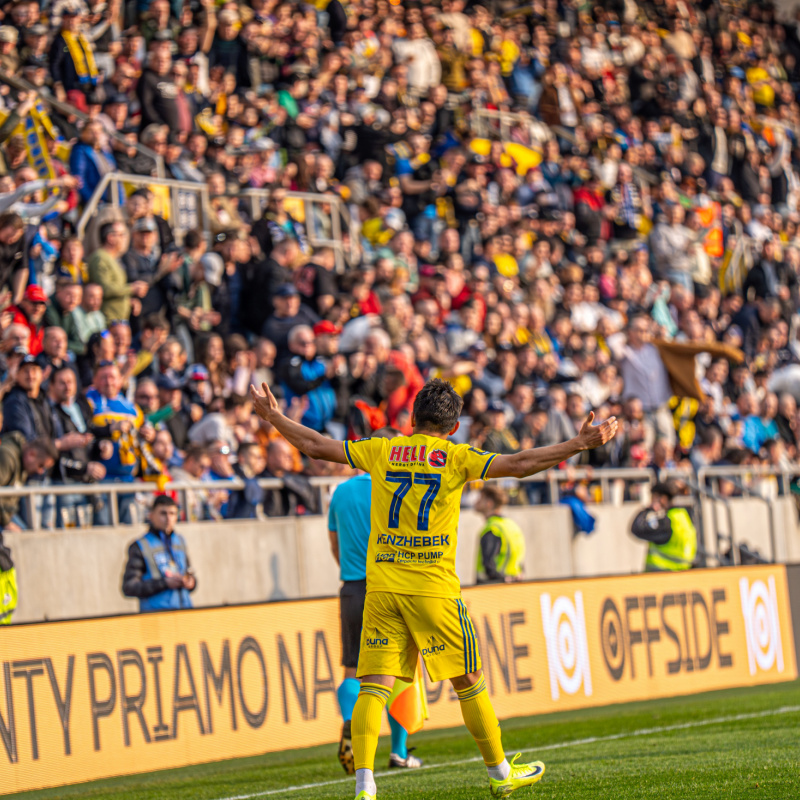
30, 313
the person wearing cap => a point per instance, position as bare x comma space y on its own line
195, 304
35, 45
158, 572
305, 374
501, 550
669, 530
72, 64
30, 312
500, 438
25, 408
142, 261
174, 413
9, 57
289, 313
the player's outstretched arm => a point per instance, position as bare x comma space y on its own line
529, 462
307, 441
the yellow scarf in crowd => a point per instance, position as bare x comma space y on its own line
82, 56
33, 129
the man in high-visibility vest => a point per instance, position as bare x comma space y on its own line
669, 530
158, 570
8, 584
501, 552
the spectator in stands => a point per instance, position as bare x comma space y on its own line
645, 377
246, 503
501, 550
25, 407
13, 255
669, 531
20, 460
296, 497
195, 466
158, 572
90, 160
72, 63
175, 417
88, 316
499, 437
305, 374
289, 313
158, 94
123, 429
260, 283
60, 313
107, 272
30, 313
74, 440
220, 426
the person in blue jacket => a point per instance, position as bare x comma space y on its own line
158, 570
305, 374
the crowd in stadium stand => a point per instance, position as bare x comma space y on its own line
625, 240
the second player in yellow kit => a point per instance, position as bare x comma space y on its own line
413, 604
413, 600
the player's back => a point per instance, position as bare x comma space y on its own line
416, 497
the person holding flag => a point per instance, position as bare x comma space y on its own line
348, 529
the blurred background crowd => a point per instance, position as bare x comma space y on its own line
559, 207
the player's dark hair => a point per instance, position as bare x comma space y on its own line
437, 407
164, 500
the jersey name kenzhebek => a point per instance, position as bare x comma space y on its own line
416, 498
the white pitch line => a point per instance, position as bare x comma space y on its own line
557, 746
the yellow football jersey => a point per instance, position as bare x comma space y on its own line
416, 499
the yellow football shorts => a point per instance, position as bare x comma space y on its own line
398, 627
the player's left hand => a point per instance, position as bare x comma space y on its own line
265, 405
592, 436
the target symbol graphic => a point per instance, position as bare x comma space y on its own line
567, 649
761, 624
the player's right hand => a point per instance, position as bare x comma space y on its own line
265, 405
592, 436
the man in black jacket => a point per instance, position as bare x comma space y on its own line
158, 93
260, 281
71, 414
13, 255
158, 570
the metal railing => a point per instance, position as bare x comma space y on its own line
341, 220
68, 109
188, 202
489, 123
188, 207
554, 480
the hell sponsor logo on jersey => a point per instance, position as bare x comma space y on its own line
434, 647
408, 454
377, 639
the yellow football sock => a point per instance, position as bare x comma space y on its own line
366, 724
481, 722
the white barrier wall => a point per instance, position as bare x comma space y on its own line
78, 573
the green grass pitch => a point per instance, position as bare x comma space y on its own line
742, 743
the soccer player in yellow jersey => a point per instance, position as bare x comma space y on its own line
413, 602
